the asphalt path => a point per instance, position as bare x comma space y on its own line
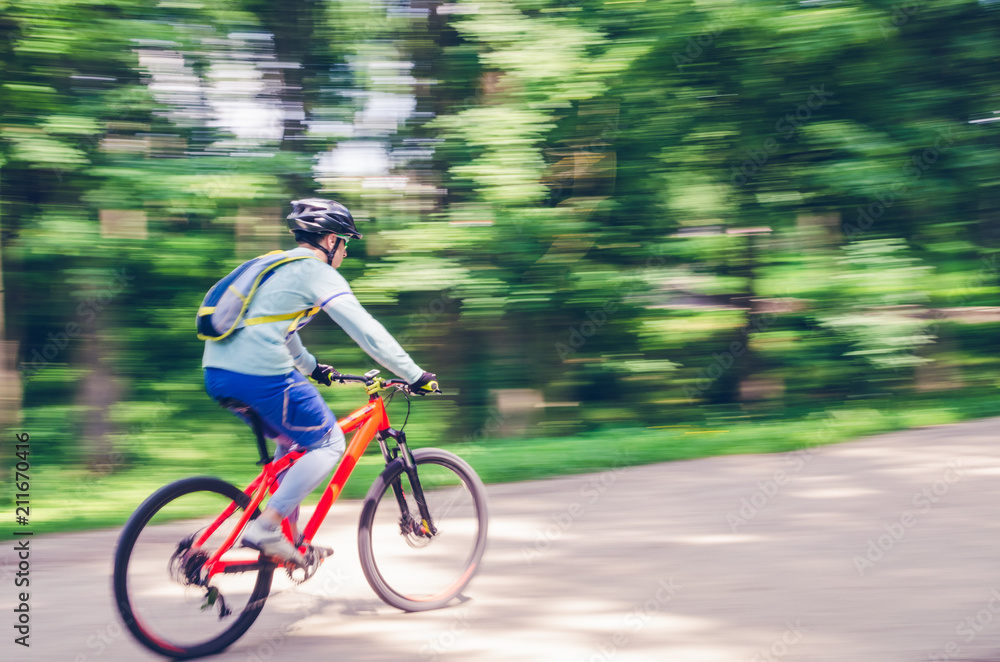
882, 550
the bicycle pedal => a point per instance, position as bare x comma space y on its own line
321, 552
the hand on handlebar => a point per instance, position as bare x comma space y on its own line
324, 374
425, 385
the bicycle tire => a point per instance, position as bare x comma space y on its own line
476, 517
126, 595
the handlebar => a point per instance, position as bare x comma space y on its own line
372, 381
343, 378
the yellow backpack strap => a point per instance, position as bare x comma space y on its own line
298, 322
264, 319
295, 317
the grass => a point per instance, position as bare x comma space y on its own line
68, 498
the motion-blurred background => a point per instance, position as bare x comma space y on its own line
619, 231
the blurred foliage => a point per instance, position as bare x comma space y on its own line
578, 214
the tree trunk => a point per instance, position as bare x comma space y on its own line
98, 392
10, 380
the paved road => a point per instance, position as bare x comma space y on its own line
881, 550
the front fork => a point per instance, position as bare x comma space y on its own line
425, 528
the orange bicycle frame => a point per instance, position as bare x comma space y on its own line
367, 420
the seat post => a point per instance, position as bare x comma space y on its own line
252, 418
258, 430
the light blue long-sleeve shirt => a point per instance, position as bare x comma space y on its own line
267, 349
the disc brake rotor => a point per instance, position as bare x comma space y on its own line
415, 533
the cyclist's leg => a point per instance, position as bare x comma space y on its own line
281, 449
301, 479
293, 407
304, 419
307, 474
293, 411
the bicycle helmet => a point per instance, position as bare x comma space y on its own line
311, 218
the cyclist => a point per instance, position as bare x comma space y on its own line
263, 365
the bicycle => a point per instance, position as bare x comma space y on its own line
419, 547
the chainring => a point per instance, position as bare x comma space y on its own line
314, 558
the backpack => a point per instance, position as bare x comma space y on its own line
222, 311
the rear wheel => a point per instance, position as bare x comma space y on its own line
411, 566
158, 578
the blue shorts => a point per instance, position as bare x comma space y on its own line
289, 404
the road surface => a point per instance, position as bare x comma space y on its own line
880, 550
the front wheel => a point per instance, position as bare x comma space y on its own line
159, 581
411, 564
